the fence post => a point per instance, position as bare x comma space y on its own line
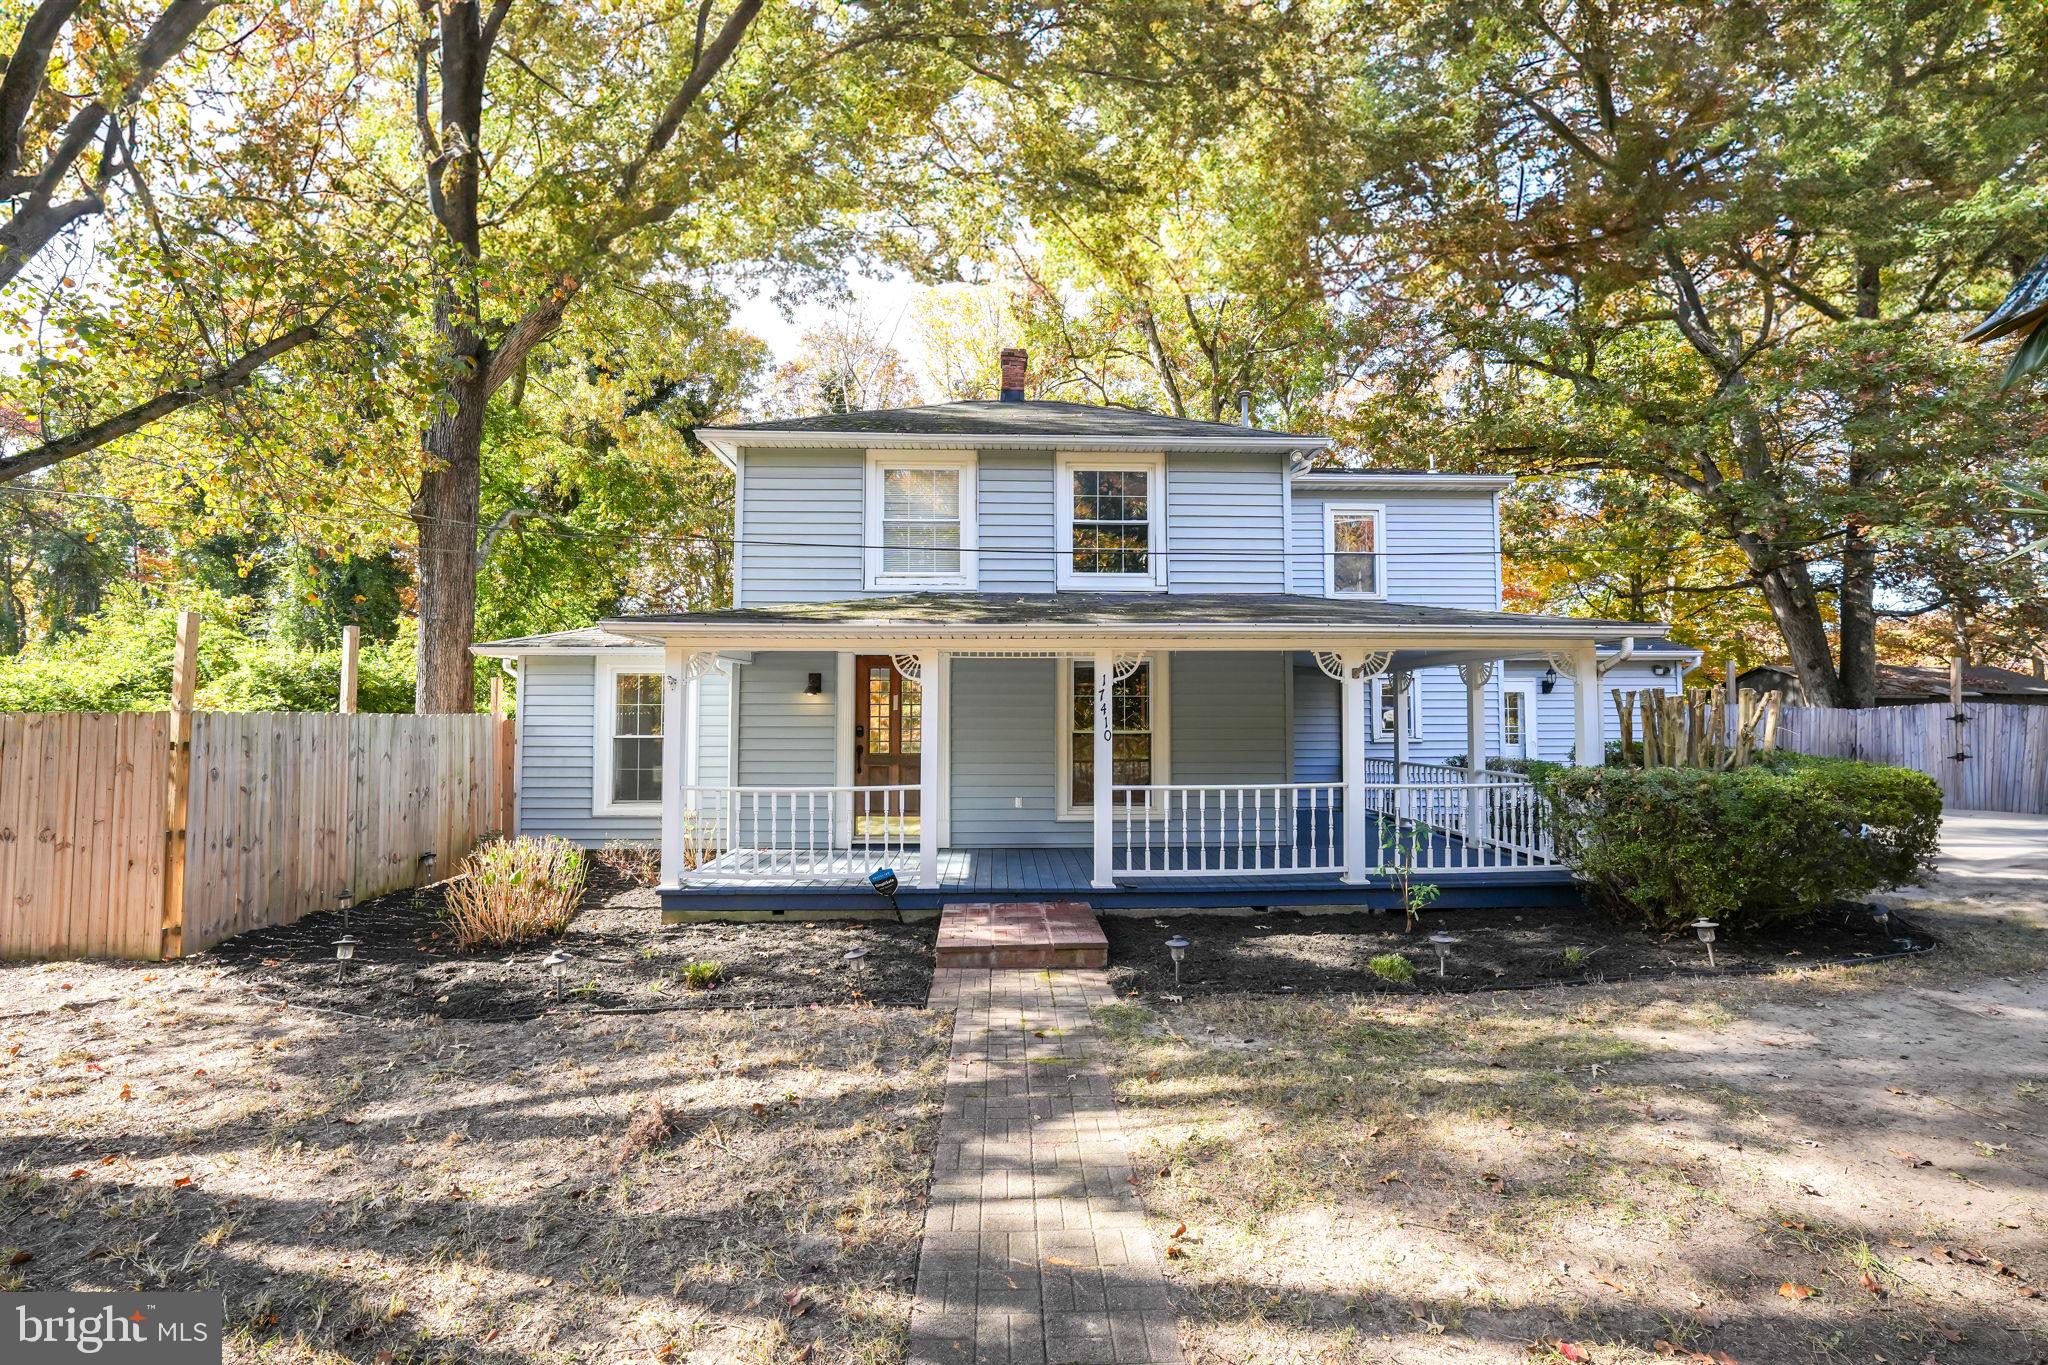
178, 795
351, 648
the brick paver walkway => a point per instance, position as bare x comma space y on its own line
1035, 1246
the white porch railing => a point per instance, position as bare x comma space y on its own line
1276, 829
1293, 828
792, 833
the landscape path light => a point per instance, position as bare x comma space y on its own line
424, 879
855, 960
347, 902
1443, 943
1705, 929
344, 953
557, 964
1177, 949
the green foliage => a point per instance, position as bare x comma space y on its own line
1392, 967
120, 660
1757, 846
699, 975
515, 890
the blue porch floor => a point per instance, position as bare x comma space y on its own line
1064, 874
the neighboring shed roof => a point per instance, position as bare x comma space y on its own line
978, 610
1917, 682
1013, 420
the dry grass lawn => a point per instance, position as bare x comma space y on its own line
1831, 1167
409, 1192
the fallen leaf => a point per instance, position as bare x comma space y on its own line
21, 1258
1870, 1282
1909, 1158
1894, 1090
1174, 1251
1610, 1284
181, 1182
1181, 1230
1062, 1261
1792, 1290
1390, 1177
78, 1174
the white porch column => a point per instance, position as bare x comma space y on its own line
676, 685
1351, 737
1398, 685
1105, 767
931, 702
1475, 676
1589, 742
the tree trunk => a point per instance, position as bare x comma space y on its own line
445, 515
1858, 605
1788, 588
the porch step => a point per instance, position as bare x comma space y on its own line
1021, 934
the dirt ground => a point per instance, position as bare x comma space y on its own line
407, 967
1828, 1166
1280, 952
415, 1190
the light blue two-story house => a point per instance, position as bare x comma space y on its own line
1046, 650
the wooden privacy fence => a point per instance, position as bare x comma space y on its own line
1985, 755
154, 835
284, 813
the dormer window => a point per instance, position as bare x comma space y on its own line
1112, 523
1354, 536
921, 530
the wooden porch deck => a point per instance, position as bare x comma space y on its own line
1066, 873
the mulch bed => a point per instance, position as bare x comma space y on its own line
409, 967
1286, 952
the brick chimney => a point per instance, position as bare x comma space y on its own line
1015, 362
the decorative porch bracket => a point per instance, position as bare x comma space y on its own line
1332, 663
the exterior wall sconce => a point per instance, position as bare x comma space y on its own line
1660, 670
814, 685
1549, 683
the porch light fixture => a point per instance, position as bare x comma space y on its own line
1660, 670
1549, 683
814, 685
1177, 949
1705, 929
344, 953
1443, 943
557, 964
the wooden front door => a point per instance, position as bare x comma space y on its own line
888, 728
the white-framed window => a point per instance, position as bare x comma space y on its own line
1381, 699
1354, 545
1112, 522
920, 525
626, 776
1138, 739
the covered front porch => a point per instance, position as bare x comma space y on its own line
1020, 706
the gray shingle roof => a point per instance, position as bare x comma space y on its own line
589, 637
1036, 417
2026, 304
979, 609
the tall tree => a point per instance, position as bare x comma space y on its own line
147, 160
568, 151
1715, 247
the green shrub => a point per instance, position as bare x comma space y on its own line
1662, 847
701, 976
513, 890
1392, 967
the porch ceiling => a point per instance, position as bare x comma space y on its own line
975, 620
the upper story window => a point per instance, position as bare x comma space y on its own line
921, 529
1112, 522
629, 725
1354, 543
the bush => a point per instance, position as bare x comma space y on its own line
514, 890
1662, 847
1392, 967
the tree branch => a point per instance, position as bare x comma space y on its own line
707, 66
224, 380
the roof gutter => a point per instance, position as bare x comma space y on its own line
724, 442
757, 635
1403, 479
